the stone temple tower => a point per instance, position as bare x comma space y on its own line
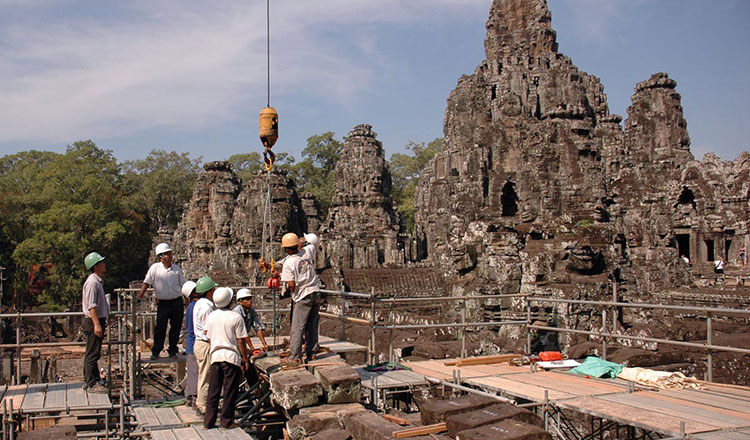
362, 228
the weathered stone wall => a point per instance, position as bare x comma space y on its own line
361, 230
221, 230
540, 189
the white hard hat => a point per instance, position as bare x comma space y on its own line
162, 248
312, 239
244, 293
188, 288
223, 296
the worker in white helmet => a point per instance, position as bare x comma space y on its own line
167, 280
299, 275
308, 246
249, 316
227, 335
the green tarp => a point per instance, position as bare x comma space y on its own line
596, 367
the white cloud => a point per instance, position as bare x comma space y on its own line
182, 64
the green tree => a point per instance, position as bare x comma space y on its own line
20, 198
247, 165
314, 173
161, 184
82, 208
405, 170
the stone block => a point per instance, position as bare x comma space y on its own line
315, 419
505, 430
369, 426
324, 360
436, 411
332, 434
489, 415
57, 432
303, 426
268, 364
295, 388
341, 383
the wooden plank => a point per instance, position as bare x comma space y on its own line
420, 430
236, 434
14, 395
643, 401
76, 396
483, 360
167, 418
708, 399
702, 407
211, 434
34, 397
518, 389
189, 433
742, 434
3, 389
188, 415
635, 416
164, 434
734, 392
56, 397
145, 417
492, 370
98, 399
553, 383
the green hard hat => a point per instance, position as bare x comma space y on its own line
205, 284
91, 260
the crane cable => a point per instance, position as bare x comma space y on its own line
268, 135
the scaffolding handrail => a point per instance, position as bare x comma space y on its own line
716, 310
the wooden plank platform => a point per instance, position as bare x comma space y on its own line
741, 434
192, 433
14, 394
154, 419
188, 415
438, 370
391, 379
53, 397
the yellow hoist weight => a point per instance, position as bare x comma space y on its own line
269, 134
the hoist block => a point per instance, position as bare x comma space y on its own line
269, 126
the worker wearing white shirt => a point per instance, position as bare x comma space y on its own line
205, 287
167, 280
227, 335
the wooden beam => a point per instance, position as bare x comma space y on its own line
483, 360
394, 419
420, 430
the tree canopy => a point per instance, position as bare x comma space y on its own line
405, 170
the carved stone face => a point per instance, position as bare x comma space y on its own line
585, 260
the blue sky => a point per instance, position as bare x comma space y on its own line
189, 75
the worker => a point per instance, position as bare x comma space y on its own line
308, 244
96, 310
299, 275
191, 381
167, 280
252, 323
249, 316
204, 288
227, 335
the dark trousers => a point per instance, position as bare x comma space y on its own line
93, 351
223, 380
171, 311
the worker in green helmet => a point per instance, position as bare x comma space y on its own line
96, 310
204, 288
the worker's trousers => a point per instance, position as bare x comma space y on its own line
305, 324
191, 381
93, 351
202, 351
224, 381
169, 311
